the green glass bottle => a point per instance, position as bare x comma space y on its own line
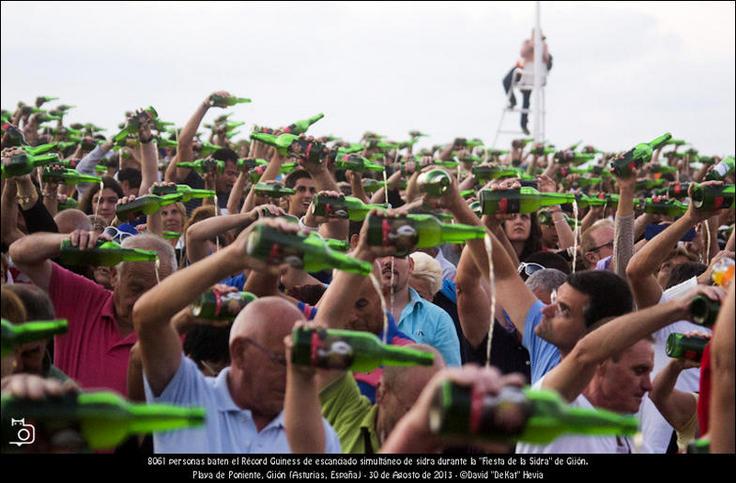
214, 305
105, 254
273, 190
488, 173
41, 148
352, 350
104, 419
434, 182
721, 170
57, 174
67, 204
587, 182
354, 162
371, 185
133, 123
543, 150
145, 205
300, 127
662, 169
675, 142
704, 311
251, 163
569, 156
520, 143
280, 142
494, 153
187, 193
418, 231
535, 416
43, 117
523, 200
345, 208
337, 245
41, 100
14, 335
207, 149
166, 143
23, 164
664, 207
585, 201
712, 197
675, 190
227, 100
305, 252
171, 235
642, 153
649, 184
681, 346
699, 446
13, 136
202, 166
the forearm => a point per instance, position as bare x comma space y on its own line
9, 219
356, 186
236, 194
640, 225
590, 217
647, 260
722, 419
623, 242
211, 227
186, 136
303, 414
262, 284
157, 306
149, 166
323, 180
154, 224
473, 306
565, 235
36, 249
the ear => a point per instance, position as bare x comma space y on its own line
237, 352
354, 238
591, 258
380, 393
411, 265
114, 277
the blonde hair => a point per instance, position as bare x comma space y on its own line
587, 243
429, 269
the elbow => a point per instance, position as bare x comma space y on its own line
19, 253
634, 269
140, 314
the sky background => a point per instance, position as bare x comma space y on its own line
623, 72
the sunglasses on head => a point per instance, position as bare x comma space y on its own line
115, 234
529, 268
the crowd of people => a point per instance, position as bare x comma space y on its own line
577, 298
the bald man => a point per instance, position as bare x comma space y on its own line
245, 401
72, 219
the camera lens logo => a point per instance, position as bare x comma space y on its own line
26, 432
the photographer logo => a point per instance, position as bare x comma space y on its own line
26, 432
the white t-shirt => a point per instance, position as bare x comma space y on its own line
655, 429
579, 444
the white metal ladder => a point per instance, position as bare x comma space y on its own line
525, 81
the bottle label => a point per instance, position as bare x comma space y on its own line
228, 304
330, 352
508, 205
504, 415
331, 208
279, 254
397, 233
692, 355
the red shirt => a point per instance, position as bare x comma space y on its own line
704, 394
92, 352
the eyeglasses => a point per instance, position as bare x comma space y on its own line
115, 234
275, 357
609, 244
529, 268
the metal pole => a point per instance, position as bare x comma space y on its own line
538, 73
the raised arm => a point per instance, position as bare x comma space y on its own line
302, 409
32, 253
149, 156
161, 347
721, 422
565, 234
575, 371
642, 266
623, 241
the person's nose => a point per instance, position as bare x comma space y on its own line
549, 310
646, 383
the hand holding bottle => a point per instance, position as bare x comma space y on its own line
702, 213
217, 99
30, 386
86, 240
265, 211
240, 246
413, 433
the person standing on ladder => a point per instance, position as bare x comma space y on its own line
522, 75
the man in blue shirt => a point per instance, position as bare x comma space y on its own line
421, 320
245, 403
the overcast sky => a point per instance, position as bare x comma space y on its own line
623, 72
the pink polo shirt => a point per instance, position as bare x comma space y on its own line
92, 352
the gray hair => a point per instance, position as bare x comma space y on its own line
547, 279
148, 241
